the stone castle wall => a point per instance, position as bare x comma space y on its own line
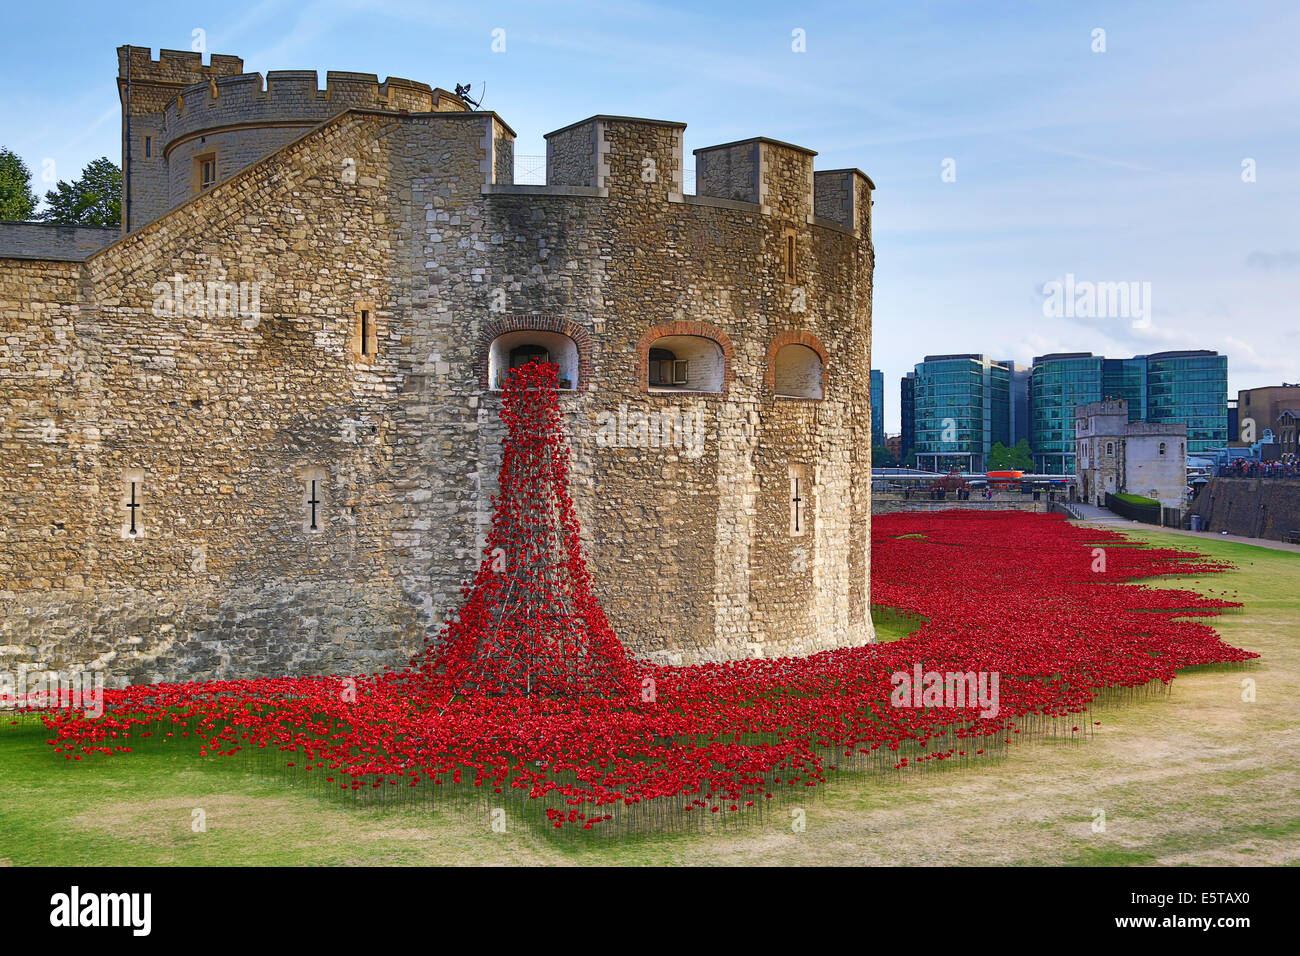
1253, 507
223, 419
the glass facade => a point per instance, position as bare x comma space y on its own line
907, 413
1019, 377
1057, 384
1191, 388
961, 406
1127, 379
877, 408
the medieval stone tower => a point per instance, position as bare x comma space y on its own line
258, 432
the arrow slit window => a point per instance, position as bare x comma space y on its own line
133, 504
313, 500
800, 499
365, 335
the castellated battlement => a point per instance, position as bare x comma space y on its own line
172, 67
188, 125
294, 96
613, 155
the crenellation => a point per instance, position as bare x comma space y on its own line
777, 176
293, 85
173, 67
248, 86
573, 155
729, 171
843, 196
401, 94
642, 158
352, 89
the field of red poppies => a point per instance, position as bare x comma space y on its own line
528, 700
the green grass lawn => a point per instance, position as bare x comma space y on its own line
893, 624
1196, 776
1136, 499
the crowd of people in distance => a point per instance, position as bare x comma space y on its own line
1288, 467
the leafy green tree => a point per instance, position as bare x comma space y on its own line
1002, 458
1022, 456
17, 201
880, 457
93, 200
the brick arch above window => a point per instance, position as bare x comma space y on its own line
684, 327
532, 322
791, 337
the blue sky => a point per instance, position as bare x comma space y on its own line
1123, 165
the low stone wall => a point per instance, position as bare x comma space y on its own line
1254, 507
884, 504
48, 240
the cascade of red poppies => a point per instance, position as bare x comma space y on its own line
1023, 596
530, 625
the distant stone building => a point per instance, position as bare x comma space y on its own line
1117, 456
1285, 429
1261, 408
258, 433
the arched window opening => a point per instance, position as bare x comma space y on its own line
797, 372
1162, 448
515, 349
688, 363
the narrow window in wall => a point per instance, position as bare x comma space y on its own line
791, 247
313, 500
799, 500
148, 147
133, 503
1162, 448
365, 338
1110, 448
205, 172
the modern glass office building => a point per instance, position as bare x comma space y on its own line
877, 408
1186, 387
962, 406
1057, 383
907, 413
1190, 387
